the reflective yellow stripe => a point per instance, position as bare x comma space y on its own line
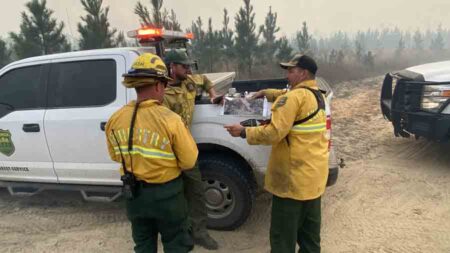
146, 152
309, 128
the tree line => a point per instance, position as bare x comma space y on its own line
41, 33
240, 45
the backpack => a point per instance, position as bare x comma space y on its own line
320, 104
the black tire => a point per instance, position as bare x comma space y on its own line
228, 180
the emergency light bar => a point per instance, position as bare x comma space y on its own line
157, 33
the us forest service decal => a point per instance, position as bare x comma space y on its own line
6, 145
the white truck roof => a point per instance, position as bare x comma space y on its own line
97, 52
433, 72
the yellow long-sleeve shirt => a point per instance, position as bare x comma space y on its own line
298, 164
181, 99
162, 145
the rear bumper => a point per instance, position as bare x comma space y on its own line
333, 166
402, 108
332, 176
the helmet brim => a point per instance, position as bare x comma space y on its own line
146, 75
184, 62
286, 65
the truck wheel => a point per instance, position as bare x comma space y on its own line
229, 191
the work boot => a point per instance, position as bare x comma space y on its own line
206, 241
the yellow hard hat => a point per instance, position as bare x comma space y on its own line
148, 66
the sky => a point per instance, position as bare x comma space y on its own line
323, 16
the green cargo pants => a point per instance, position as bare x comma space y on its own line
160, 209
194, 191
295, 221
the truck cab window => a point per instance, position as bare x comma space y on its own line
22, 89
82, 83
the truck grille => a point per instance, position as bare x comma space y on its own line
408, 96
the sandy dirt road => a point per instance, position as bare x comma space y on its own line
393, 196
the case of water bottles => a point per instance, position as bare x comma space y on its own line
245, 105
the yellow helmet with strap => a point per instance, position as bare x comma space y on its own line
146, 70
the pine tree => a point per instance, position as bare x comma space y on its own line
121, 40
227, 40
268, 31
333, 57
165, 19
284, 50
198, 44
5, 54
340, 57
418, 40
158, 17
95, 31
407, 38
346, 44
437, 43
360, 47
172, 22
143, 13
359, 50
246, 37
369, 60
400, 47
155, 18
39, 32
212, 47
197, 30
304, 40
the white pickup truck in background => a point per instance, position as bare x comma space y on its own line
417, 101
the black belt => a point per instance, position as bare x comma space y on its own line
144, 184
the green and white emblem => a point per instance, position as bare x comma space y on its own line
282, 101
6, 145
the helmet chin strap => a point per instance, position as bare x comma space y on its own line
172, 73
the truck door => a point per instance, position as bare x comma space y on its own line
83, 93
24, 155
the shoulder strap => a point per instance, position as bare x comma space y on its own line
320, 104
130, 134
124, 166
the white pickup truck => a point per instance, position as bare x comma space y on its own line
417, 101
52, 114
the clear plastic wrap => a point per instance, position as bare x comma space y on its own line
245, 106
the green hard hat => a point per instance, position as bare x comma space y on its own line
178, 56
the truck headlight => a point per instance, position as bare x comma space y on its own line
434, 96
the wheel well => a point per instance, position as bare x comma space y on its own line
208, 148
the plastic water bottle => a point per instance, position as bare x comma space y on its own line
231, 92
265, 108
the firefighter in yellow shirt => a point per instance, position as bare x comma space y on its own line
180, 98
154, 147
185, 87
298, 167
